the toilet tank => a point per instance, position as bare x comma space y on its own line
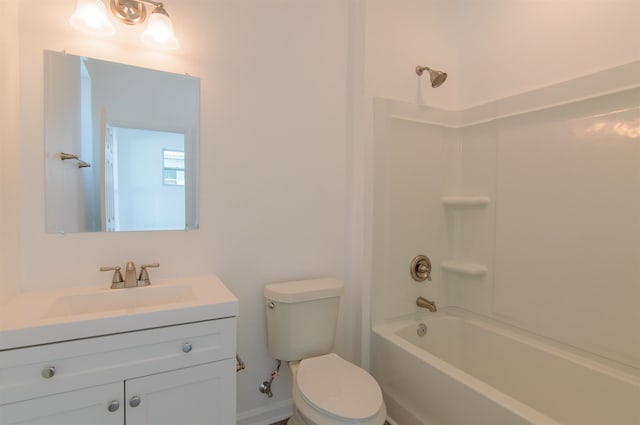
301, 317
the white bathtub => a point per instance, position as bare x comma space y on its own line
469, 371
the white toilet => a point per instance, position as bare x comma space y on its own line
327, 390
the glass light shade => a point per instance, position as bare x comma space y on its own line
159, 32
91, 17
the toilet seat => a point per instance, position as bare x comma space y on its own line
338, 388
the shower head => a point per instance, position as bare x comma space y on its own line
437, 77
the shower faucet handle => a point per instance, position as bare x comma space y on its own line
421, 268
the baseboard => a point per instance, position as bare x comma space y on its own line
266, 415
272, 414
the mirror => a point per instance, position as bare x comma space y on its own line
121, 147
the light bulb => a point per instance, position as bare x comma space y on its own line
159, 32
91, 17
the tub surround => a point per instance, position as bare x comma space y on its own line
511, 187
529, 225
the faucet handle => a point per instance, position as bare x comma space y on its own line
143, 278
425, 270
421, 268
116, 280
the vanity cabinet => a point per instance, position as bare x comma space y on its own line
182, 374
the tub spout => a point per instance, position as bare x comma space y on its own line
425, 303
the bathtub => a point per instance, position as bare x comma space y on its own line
467, 370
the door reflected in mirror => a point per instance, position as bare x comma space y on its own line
131, 139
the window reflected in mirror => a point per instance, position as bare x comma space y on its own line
173, 167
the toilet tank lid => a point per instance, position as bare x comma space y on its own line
303, 290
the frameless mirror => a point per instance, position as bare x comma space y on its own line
121, 147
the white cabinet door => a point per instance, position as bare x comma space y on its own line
79, 407
198, 395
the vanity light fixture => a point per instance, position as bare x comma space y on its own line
91, 17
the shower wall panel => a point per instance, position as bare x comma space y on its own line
469, 233
411, 159
568, 223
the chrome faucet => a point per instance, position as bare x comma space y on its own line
130, 276
425, 303
131, 279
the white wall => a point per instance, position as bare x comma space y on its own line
492, 48
10, 158
273, 155
508, 47
402, 35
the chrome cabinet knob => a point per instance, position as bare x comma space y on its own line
187, 347
48, 372
113, 406
135, 401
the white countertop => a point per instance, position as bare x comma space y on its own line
41, 317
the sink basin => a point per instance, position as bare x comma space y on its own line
41, 317
120, 299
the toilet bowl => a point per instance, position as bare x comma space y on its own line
328, 390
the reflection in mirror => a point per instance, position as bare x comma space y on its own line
130, 136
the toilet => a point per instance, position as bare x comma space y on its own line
326, 389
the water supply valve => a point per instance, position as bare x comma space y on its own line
265, 387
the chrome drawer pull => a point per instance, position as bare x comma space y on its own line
186, 347
113, 406
48, 372
135, 401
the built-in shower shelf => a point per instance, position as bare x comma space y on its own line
465, 201
469, 269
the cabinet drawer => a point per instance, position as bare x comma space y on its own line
26, 372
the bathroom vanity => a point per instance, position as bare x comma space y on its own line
150, 357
